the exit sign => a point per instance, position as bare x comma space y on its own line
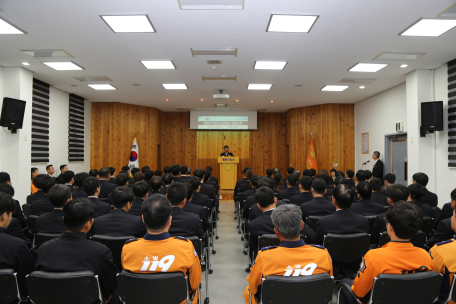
399, 127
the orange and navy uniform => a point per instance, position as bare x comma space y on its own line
291, 258
33, 188
155, 253
392, 258
444, 258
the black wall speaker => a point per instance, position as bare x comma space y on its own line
432, 116
12, 113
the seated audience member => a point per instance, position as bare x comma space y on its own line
122, 180
167, 180
297, 172
332, 177
368, 174
50, 170
343, 221
211, 179
156, 183
167, 170
127, 170
195, 209
78, 183
148, 176
208, 179
132, 173
443, 231
206, 189
14, 252
183, 223
305, 184
447, 209
252, 190
140, 192
290, 171
137, 177
18, 223
93, 173
403, 220
68, 180
72, 251
250, 201
52, 222
389, 179
105, 186
156, 213
60, 179
278, 185
92, 188
275, 170
38, 194
291, 189
183, 171
394, 194
175, 170
255, 209
269, 173
377, 196
189, 171
158, 173
318, 206
324, 177
198, 198
118, 222
416, 194
292, 258
349, 174
365, 206
313, 172
112, 179
244, 183
144, 169
43, 205
444, 261
35, 172
429, 198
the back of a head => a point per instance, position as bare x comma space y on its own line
291, 180
364, 189
158, 173
167, 170
195, 182
90, 185
367, 174
4, 177
68, 176
405, 218
287, 219
33, 171
7, 189
47, 183
319, 186
207, 174
397, 192
126, 168
376, 184
93, 172
134, 170
255, 179
183, 170
112, 171
149, 174
268, 172
167, 179
313, 172
306, 182
140, 189
175, 169
138, 176
416, 192
59, 195
156, 210
245, 170
7, 204
390, 178
79, 179
340, 180
120, 196
290, 170
77, 213
209, 168
340, 173
144, 169
297, 172
156, 182
177, 193
421, 178
189, 190
248, 174
343, 195
263, 183
307, 172
199, 173
323, 176
360, 176
275, 170
264, 197
189, 171
37, 180
278, 178
350, 173
122, 179
453, 195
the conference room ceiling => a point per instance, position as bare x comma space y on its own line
347, 32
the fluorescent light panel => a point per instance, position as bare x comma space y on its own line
64, 66
102, 87
129, 24
158, 65
270, 65
175, 86
7, 28
367, 67
211, 4
429, 27
291, 23
255, 86
334, 88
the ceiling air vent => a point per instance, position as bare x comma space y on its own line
47, 53
214, 52
214, 62
211, 4
398, 56
92, 78
357, 80
214, 78
184, 109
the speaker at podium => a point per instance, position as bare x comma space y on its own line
228, 171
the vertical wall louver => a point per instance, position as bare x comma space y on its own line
452, 113
76, 129
40, 122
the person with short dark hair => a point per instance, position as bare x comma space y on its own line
158, 173
253, 184
195, 209
343, 221
60, 179
52, 222
318, 206
137, 177
167, 170
269, 173
38, 194
156, 183
206, 189
429, 198
43, 205
226, 151
140, 192
416, 194
119, 222
254, 211
365, 206
133, 171
122, 180
278, 185
305, 185
183, 170
148, 176
291, 189
144, 169
175, 170
68, 180
78, 184
50, 170
72, 251
242, 184
377, 196
290, 171
93, 173
105, 186
168, 179
399, 256
92, 188
18, 214
332, 177
389, 179
377, 167
448, 208
349, 174
112, 171
443, 230
197, 197
158, 245
34, 173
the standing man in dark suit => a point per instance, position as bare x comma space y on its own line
429, 198
92, 188
365, 206
291, 189
319, 205
377, 197
140, 192
227, 152
38, 194
377, 169
43, 205
305, 184
105, 186
60, 179
78, 183
52, 222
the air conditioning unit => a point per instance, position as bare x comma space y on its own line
221, 95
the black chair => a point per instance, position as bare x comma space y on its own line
31, 223
81, 287
41, 238
435, 213
267, 240
303, 289
27, 210
417, 288
428, 224
9, 291
104, 199
286, 201
203, 254
115, 243
386, 207
312, 222
162, 288
371, 219
419, 240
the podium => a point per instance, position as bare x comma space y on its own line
228, 171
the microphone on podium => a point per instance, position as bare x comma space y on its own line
365, 163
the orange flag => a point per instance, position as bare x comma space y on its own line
311, 162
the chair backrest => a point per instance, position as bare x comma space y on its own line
79, 287
419, 240
419, 288
41, 238
8, 286
27, 210
31, 223
115, 243
371, 219
347, 248
312, 221
428, 223
453, 290
162, 288
267, 240
103, 199
197, 244
303, 289
286, 200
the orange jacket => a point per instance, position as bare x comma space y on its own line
444, 257
33, 188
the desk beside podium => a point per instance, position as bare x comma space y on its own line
228, 171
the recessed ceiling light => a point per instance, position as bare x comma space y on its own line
8, 28
429, 27
158, 65
64, 66
272, 100
102, 87
211, 4
298, 85
404, 66
362, 87
25, 63
166, 99
237, 100
291, 23
201, 99
367, 67
255, 86
129, 24
336, 88
175, 86
270, 65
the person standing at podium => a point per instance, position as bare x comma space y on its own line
227, 152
